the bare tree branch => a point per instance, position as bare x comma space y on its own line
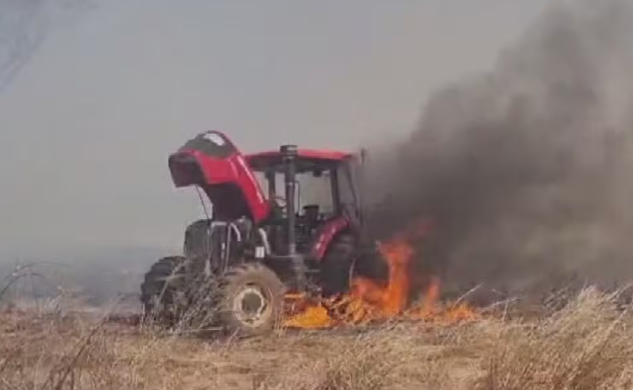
24, 25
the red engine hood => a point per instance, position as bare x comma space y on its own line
212, 162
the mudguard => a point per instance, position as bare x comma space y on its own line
326, 234
212, 162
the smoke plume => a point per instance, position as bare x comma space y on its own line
526, 170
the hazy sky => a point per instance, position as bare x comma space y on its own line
86, 127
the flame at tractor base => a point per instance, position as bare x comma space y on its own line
370, 301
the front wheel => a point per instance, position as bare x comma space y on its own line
251, 299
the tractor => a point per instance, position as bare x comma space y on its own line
282, 221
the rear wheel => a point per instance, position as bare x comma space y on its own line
336, 266
251, 299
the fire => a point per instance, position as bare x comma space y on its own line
430, 300
371, 301
314, 317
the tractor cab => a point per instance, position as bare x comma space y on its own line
324, 187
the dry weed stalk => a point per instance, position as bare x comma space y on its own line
585, 345
367, 362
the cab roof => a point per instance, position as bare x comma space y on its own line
307, 159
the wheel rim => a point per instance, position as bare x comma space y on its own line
251, 305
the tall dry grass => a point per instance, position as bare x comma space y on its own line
585, 344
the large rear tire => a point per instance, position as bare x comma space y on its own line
251, 300
337, 264
162, 290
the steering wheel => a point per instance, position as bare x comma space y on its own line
281, 202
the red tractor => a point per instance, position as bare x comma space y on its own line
283, 221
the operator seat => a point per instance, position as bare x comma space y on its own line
311, 215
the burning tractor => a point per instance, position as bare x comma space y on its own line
283, 221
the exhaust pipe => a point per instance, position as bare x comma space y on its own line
289, 154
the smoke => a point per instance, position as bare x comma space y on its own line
526, 170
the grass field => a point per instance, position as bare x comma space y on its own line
584, 345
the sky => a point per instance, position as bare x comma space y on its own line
87, 124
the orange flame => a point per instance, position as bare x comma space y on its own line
370, 300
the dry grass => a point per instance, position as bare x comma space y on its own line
584, 345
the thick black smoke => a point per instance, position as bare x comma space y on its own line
527, 170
